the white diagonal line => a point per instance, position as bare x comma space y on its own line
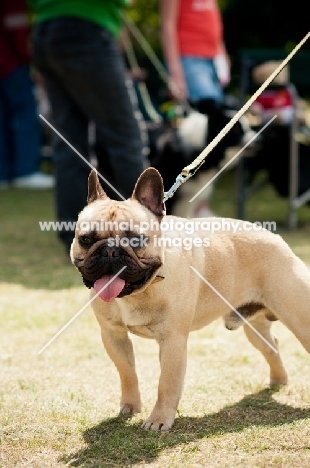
235, 310
82, 157
232, 159
81, 310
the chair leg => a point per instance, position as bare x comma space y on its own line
293, 175
241, 189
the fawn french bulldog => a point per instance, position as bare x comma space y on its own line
122, 252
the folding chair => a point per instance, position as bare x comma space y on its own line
297, 84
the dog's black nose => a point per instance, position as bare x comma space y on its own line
110, 252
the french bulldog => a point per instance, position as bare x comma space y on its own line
162, 277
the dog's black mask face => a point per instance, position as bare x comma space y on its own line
109, 260
97, 253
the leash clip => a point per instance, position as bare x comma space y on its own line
178, 182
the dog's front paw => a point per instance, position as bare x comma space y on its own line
158, 423
128, 409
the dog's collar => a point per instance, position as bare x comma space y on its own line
157, 279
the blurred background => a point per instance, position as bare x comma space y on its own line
254, 24
271, 178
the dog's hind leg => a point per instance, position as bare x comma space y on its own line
262, 339
288, 296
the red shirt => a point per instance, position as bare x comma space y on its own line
199, 28
14, 35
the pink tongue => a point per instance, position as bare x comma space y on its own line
112, 290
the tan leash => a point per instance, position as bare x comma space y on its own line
190, 170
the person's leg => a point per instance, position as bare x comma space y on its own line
23, 118
70, 171
5, 149
105, 168
118, 119
87, 60
127, 147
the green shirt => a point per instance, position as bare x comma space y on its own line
106, 13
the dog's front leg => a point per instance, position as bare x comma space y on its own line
173, 355
119, 347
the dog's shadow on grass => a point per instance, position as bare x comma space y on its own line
119, 442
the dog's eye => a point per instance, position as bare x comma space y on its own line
85, 240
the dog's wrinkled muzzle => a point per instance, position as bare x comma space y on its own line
110, 260
103, 260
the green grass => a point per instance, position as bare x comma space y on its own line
32, 258
59, 408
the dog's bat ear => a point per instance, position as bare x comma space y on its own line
149, 191
95, 191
